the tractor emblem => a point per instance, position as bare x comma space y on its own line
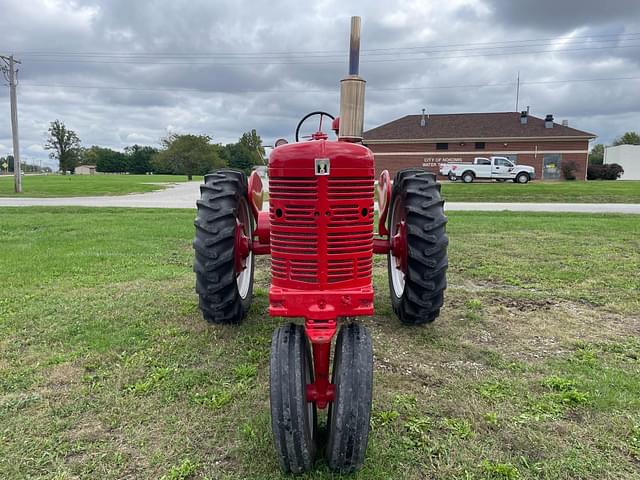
322, 166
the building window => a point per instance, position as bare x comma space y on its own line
551, 166
479, 145
442, 146
513, 158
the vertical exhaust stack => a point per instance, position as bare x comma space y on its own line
352, 92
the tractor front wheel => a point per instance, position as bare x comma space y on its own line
293, 418
223, 262
418, 261
350, 412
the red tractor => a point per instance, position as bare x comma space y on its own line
319, 231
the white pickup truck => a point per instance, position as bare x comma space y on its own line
493, 168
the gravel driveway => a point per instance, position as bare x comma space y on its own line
184, 195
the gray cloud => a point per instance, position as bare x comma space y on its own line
561, 16
184, 84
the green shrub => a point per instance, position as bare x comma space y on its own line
568, 169
608, 171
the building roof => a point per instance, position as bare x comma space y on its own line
469, 126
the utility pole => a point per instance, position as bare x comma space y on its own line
518, 91
9, 71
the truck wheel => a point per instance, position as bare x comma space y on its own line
452, 177
350, 412
224, 280
522, 178
293, 418
418, 261
468, 177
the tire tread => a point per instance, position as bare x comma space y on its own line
350, 412
425, 280
294, 440
215, 224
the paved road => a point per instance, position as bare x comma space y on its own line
178, 195
547, 207
184, 195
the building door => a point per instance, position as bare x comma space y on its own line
551, 166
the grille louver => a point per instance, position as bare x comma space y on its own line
295, 220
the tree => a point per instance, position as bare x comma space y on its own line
596, 156
105, 159
135, 159
238, 155
253, 142
139, 158
9, 160
245, 154
26, 166
65, 146
187, 155
629, 138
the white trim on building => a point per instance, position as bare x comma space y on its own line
477, 153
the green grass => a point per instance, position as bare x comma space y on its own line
85, 185
107, 370
536, 191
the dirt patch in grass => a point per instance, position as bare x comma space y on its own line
63, 377
89, 432
527, 304
546, 324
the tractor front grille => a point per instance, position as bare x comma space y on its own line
321, 230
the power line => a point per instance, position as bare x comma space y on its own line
558, 39
148, 58
390, 60
244, 56
614, 37
327, 90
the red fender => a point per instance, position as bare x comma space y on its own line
384, 199
255, 194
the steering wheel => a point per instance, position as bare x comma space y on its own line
322, 114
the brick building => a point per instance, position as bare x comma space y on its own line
429, 140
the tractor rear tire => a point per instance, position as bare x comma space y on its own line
350, 411
293, 419
224, 296
418, 294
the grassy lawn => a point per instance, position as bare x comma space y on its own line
107, 370
85, 185
565, 192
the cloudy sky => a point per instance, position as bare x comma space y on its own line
121, 72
